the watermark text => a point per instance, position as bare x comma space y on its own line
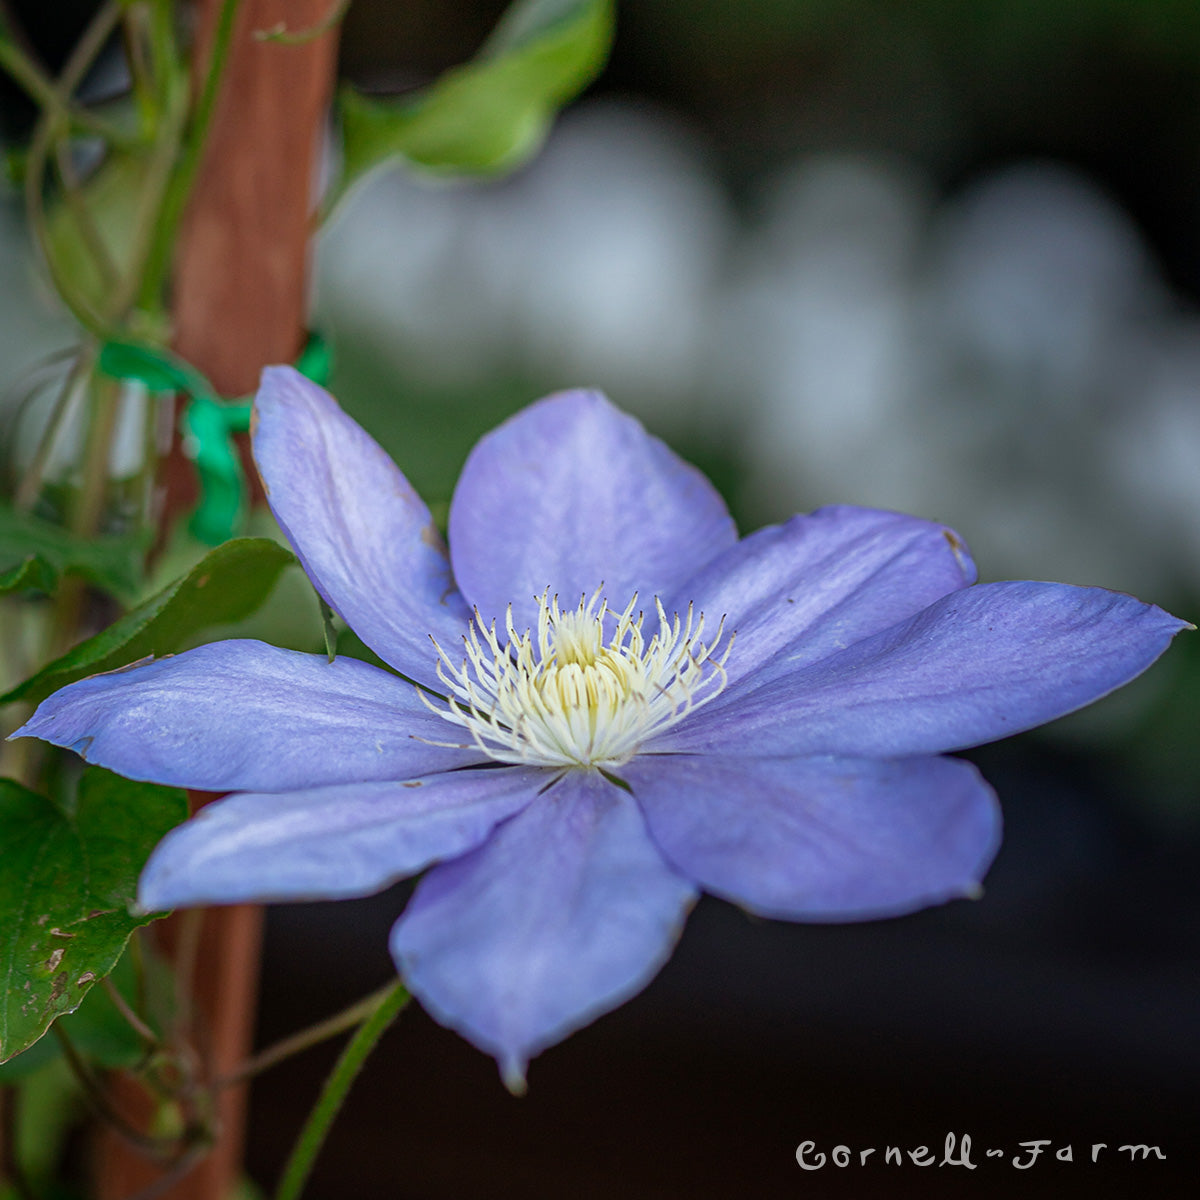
960, 1151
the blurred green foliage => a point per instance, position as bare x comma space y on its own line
491, 115
110, 194
34, 553
226, 585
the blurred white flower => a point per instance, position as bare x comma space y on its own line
596, 264
1005, 361
820, 327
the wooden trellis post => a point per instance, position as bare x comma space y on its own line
240, 298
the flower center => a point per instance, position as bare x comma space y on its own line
587, 690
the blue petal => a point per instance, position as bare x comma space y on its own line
979, 664
564, 912
798, 592
570, 494
822, 839
245, 716
364, 536
331, 842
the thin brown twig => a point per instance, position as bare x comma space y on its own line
126, 1010
153, 1147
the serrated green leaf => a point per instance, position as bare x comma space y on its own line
67, 881
111, 563
226, 585
492, 114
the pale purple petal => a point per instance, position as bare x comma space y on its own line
564, 912
979, 664
821, 839
363, 535
330, 842
798, 592
570, 494
245, 716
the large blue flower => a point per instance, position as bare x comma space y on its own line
618, 703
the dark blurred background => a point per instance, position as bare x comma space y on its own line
936, 256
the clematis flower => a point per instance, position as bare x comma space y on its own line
609, 704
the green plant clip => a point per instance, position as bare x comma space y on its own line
207, 425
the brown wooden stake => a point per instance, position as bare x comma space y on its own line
239, 303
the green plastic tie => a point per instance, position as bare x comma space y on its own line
208, 424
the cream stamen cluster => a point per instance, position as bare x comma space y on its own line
570, 695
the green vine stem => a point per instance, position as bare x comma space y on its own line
131, 1018
52, 125
152, 203
136, 35
162, 193
348, 1018
89, 231
88, 509
41, 90
158, 257
80, 360
142, 284
48, 129
312, 1136
154, 1148
297, 37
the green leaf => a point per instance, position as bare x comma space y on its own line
68, 878
32, 574
98, 1029
110, 195
226, 585
492, 114
526, 21
34, 552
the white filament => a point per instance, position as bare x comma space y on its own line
570, 696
